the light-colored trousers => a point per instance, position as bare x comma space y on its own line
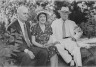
72, 47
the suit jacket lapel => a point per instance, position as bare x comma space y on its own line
28, 30
18, 27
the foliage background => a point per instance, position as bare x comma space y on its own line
8, 45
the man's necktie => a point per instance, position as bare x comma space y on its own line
63, 30
26, 36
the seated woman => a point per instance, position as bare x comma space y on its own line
41, 37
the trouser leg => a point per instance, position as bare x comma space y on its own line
72, 47
41, 55
25, 59
75, 51
54, 61
42, 58
77, 56
64, 54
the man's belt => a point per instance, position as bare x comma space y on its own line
70, 37
65, 37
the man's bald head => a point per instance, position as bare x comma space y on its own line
22, 13
21, 9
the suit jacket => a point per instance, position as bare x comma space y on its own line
16, 26
57, 29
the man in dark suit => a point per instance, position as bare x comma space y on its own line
28, 52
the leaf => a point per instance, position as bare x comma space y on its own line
16, 47
11, 64
8, 52
1, 60
7, 55
6, 64
0, 36
2, 52
12, 34
18, 41
16, 50
16, 44
14, 54
6, 34
12, 30
11, 39
18, 36
11, 47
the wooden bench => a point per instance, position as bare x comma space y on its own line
88, 58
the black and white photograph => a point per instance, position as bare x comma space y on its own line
47, 33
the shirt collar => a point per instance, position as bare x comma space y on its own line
20, 22
62, 20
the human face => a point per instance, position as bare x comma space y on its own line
42, 18
23, 15
64, 16
78, 33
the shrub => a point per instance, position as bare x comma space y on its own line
8, 45
89, 27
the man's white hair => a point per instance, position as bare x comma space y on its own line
21, 8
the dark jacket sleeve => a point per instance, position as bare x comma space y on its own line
23, 46
19, 39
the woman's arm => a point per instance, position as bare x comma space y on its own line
50, 42
35, 43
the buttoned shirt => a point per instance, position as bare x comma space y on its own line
57, 29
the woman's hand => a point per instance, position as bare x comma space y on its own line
46, 45
51, 44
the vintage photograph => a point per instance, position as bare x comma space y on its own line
47, 33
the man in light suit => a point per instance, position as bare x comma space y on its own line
28, 52
64, 34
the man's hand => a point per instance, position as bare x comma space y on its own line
88, 46
30, 53
57, 42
